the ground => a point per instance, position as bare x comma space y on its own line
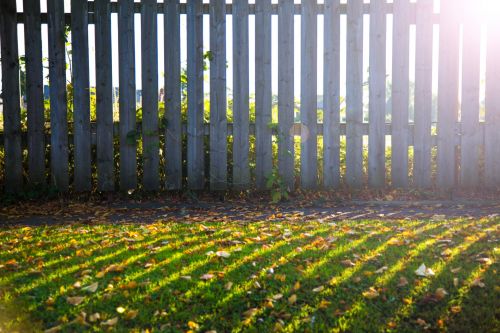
153, 266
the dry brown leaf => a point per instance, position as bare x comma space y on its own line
318, 289
477, 283
228, 285
110, 322
91, 288
381, 270
348, 263
441, 293
402, 281
250, 312
75, 300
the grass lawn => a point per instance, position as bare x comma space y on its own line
285, 274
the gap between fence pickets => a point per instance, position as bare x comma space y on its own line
229, 10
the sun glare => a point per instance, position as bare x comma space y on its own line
488, 10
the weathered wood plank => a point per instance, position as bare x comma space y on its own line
10, 94
448, 93
492, 105
376, 140
81, 95
263, 93
286, 92
331, 86
149, 61
173, 135
423, 95
34, 92
104, 97
195, 155
469, 161
354, 94
308, 96
127, 107
58, 108
241, 170
218, 100
400, 94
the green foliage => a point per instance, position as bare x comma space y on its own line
277, 187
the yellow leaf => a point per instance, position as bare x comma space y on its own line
371, 293
292, 299
192, 325
131, 314
250, 312
296, 286
318, 289
324, 304
120, 309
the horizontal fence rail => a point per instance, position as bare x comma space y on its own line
196, 145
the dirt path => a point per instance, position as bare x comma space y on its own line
151, 211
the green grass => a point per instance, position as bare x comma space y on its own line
142, 271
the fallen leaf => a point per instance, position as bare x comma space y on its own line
318, 289
223, 254
75, 300
477, 283
381, 270
371, 293
131, 314
424, 271
120, 309
277, 297
348, 263
228, 286
53, 329
402, 282
292, 299
94, 317
250, 312
110, 322
455, 270
485, 261
441, 293
207, 277
91, 288
456, 309
186, 277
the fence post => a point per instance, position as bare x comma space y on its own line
58, 108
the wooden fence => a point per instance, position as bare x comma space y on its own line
468, 151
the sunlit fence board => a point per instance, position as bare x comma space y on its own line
34, 92
469, 161
354, 94
241, 169
150, 138
331, 137
423, 95
263, 93
58, 109
81, 95
286, 93
104, 100
218, 100
492, 105
308, 96
172, 122
448, 93
376, 142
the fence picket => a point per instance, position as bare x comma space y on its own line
331, 86
376, 140
81, 95
34, 92
354, 94
195, 155
263, 93
128, 132
492, 105
308, 96
423, 95
400, 93
241, 170
286, 92
469, 166
173, 133
58, 108
150, 138
104, 100
448, 93
218, 104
